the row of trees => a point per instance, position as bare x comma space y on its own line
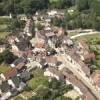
86, 12
30, 6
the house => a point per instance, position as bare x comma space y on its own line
12, 39
89, 56
28, 28
72, 94
14, 82
84, 67
23, 45
25, 76
61, 31
19, 63
5, 92
15, 49
67, 41
4, 87
38, 42
22, 17
2, 48
96, 78
51, 60
53, 72
11, 72
52, 13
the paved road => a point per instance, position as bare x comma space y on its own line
76, 71
82, 34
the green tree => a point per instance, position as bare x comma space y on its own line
82, 4
15, 25
1, 58
8, 57
95, 7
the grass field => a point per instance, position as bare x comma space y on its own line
88, 38
4, 22
3, 34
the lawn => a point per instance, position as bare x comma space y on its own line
3, 34
4, 68
88, 38
4, 22
27, 94
93, 42
38, 79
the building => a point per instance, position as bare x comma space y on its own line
10, 73
19, 63
96, 78
51, 60
2, 48
38, 42
53, 72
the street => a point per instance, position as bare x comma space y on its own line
76, 71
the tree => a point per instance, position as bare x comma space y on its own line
34, 98
43, 93
54, 84
82, 4
95, 7
8, 57
63, 98
39, 26
97, 24
8, 6
60, 4
1, 58
15, 25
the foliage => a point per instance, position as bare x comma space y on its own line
39, 26
16, 25
63, 98
38, 79
85, 9
7, 57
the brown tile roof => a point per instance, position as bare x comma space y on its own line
20, 65
83, 66
38, 42
89, 56
54, 71
51, 59
39, 45
10, 72
96, 78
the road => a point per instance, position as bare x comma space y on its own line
76, 71
82, 34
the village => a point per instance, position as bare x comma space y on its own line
52, 50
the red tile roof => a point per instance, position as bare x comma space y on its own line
20, 65
10, 72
